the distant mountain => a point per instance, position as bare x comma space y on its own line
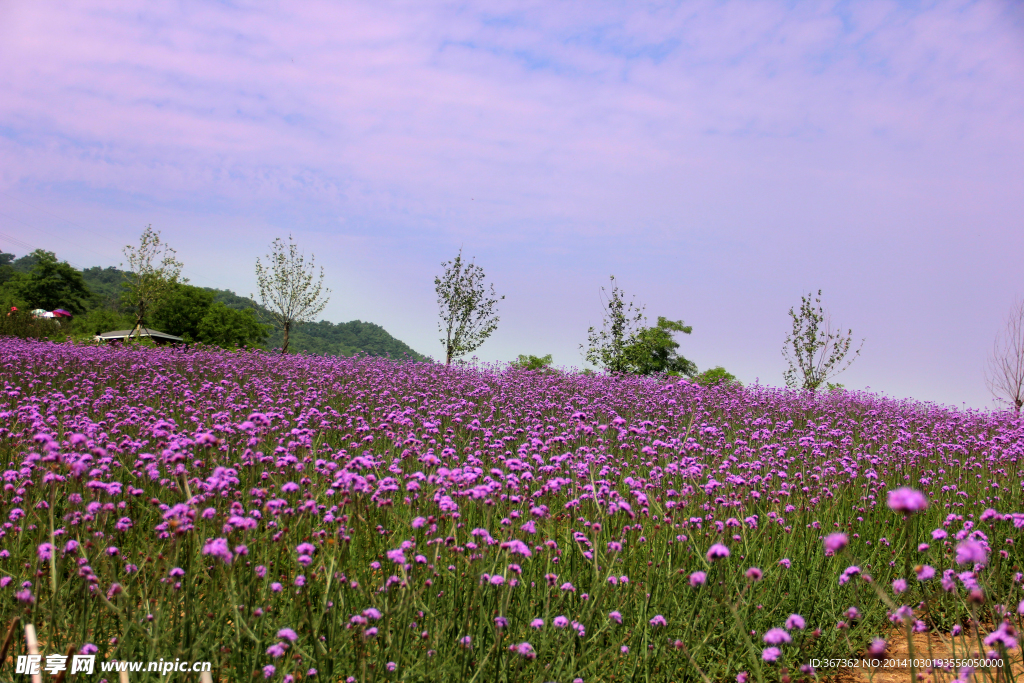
328, 339
319, 338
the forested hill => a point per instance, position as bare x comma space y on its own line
101, 311
329, 339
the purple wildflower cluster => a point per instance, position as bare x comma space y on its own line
288, 515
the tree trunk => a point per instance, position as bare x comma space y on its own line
138, 321
287, 328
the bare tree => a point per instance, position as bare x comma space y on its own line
815, 349
1005, 374
289, 290
468, 314
148, 280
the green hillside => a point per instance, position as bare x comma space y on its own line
325, 338
105, 312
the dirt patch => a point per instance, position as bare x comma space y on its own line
929, 646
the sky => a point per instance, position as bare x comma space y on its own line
720, 158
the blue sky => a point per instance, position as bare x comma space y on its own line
719, 158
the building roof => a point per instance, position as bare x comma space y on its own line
143, 332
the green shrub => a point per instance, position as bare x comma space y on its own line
715, 376
530, 362
26, 326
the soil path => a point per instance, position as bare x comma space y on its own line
895, 670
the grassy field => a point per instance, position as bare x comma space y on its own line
334, 519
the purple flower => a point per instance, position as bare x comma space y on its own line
877, 647
777, 636
218, 547
517, 547
537, 623
466, 642
268, 670
524, 650
277, 650
754, 574
785, 562
848, 573
907, 500
176, 572
615, 616
372, 613
658, 621
24, 596
698, 579
770, 654
795, 621
560, 622
1004, 635
835, 542
717, 552
500, 623
568, 587
971, 552
45, 552
288, 634
898, 586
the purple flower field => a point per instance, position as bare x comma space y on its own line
339, 519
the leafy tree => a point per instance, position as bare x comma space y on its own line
1005, 373
182, 311
625, 345
815, 349
715, 376
623, 322
533, 363
52, 284
467, 311
229, 328
654, 350
6, 269
153, 271
24, 264
289, 290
